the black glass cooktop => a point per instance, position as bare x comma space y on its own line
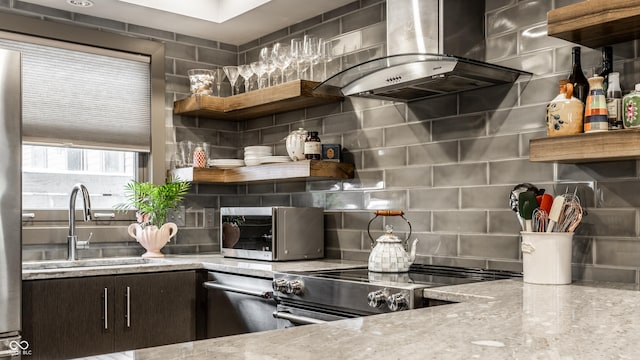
419, 275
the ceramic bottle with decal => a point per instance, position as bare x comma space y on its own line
565, 112
596, 116
631, 109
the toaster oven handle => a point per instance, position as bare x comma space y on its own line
212, 285
300, 320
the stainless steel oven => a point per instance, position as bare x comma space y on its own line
238, 304
272, 233
321, 296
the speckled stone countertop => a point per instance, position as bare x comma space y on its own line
505, 319
110, 266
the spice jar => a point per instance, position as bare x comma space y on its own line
312, 146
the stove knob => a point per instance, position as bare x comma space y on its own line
279, 285
396, 302
295, 287
376, 298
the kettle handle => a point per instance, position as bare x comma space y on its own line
387, 213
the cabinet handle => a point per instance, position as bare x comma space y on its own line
106, 309
128, 314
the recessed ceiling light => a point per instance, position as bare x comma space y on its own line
80, 3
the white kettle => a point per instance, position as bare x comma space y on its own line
389, 254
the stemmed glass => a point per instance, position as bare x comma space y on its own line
246, 72
232, 75
311, 52
218, 78
327, 55
269, 65
259, 69
297, 56
281, 57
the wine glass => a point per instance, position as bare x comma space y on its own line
267, 60
297, 56
281, 57
246, 72
219, 76
259, 69
327, 55
311, 52
232, 75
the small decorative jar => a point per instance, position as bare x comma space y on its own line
596, 116
295, 144
631, 108
565, 112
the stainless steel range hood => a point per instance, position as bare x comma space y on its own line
419, 32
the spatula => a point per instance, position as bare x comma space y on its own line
555, 212
546, 203
526, 204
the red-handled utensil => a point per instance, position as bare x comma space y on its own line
546, 203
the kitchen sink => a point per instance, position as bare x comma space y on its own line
56, 264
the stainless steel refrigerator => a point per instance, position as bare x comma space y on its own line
11, 345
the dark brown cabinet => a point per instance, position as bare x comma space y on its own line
73, 317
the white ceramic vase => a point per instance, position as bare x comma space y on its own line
153, 238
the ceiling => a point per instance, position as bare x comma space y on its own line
261, 20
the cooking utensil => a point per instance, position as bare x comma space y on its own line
513, 199
547, 201
571, 214
526, 204
540, 220
555, 212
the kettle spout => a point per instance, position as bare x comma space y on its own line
412, 253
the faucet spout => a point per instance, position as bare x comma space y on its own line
72, 239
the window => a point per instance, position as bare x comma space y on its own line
49, 173
87, 121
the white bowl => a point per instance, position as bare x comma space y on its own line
258, 148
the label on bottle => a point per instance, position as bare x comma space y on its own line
313, 148
614, 108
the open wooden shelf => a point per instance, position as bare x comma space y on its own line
595, 23
289, 96
590, 147
295, 170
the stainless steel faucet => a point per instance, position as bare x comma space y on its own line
72, 239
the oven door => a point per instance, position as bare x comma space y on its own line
238, 304
292, 314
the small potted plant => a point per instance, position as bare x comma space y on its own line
153, 203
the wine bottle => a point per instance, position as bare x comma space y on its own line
577, 78
607, 66
614, 102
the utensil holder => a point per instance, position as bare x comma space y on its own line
546, 257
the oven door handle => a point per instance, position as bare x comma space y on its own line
212, 285
300, 320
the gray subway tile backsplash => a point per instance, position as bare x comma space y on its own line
449, 162
407, 134
490, 246
460, 174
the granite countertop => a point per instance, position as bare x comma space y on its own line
215, 262
504, 319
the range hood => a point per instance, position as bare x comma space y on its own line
419, 33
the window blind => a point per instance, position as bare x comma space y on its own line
83, 99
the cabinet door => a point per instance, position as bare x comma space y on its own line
155, 309
65, 318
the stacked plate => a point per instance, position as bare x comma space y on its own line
226, 163
253, 154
